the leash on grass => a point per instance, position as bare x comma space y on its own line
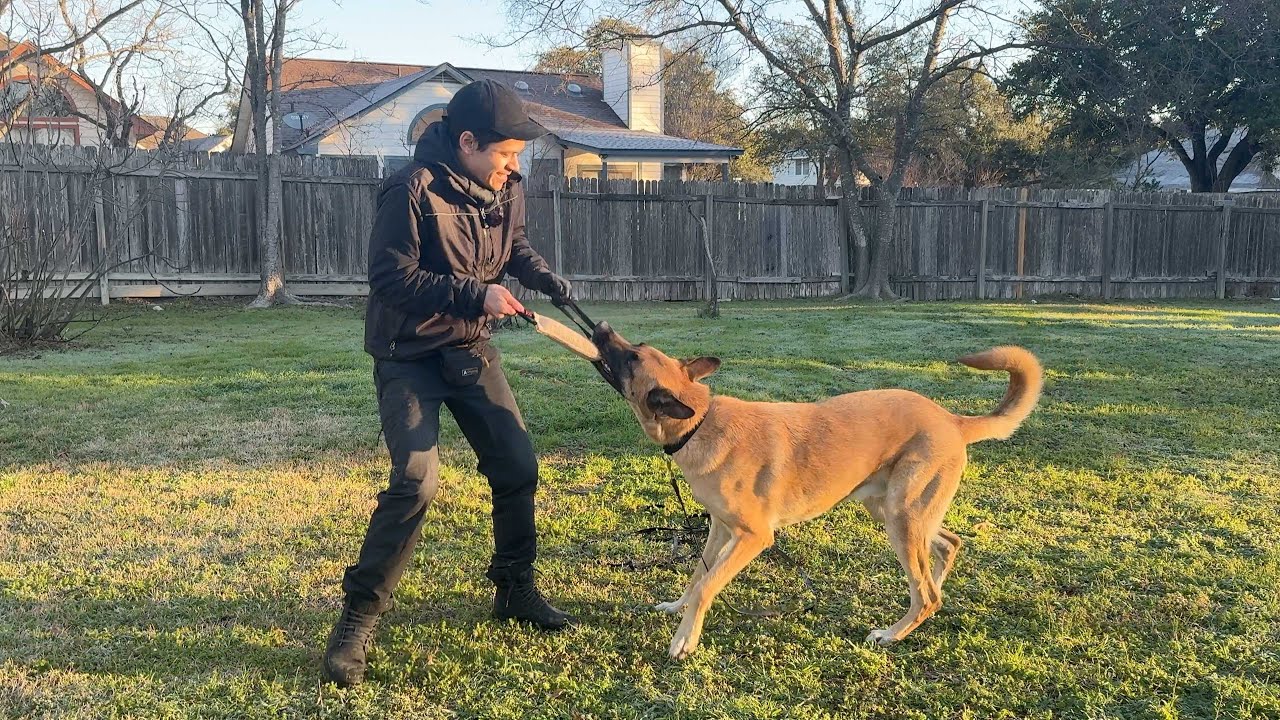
693, 529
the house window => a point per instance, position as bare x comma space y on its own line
422, 121
39, 114
392, 163
802, 166
623, 172
45, 101
616, 172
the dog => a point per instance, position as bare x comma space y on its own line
758, 467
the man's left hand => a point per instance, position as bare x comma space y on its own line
558, 288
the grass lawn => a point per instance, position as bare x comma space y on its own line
180, 493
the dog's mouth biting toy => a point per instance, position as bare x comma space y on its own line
580, 345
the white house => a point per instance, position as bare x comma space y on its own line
1165, 169
608, 127
45, 102
796, 168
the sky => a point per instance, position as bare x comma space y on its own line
417, 32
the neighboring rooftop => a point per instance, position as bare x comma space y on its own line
326, 93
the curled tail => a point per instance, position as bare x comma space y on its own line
1026, 378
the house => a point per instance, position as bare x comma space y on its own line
185, 139
796, 168
607, 127
1162, 168
46, 102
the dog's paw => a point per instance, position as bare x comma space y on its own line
682, 646
881, 638
675, 607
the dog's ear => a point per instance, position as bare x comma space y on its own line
662, 402
698, 368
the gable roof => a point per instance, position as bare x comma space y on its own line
208, 143
324, 101
142, 125
335, 91
150, 131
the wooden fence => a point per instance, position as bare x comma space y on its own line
1008, 243
187, 226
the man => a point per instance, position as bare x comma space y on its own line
448, 227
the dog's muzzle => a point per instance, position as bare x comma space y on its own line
594, 331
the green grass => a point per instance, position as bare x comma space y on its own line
180, 492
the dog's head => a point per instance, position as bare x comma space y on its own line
664, 393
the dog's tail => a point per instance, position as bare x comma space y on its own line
1026, 378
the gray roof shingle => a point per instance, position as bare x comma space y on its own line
639, 143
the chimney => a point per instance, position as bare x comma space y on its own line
633, 84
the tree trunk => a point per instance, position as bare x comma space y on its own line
876, 286
853, 221
1237, 160
272, 290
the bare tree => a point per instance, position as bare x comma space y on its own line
103, 19
161, 57
55, 251
831, 56
264, 56
55, 254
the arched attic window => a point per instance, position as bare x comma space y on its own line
419, 125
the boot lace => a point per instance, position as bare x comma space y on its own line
357, 628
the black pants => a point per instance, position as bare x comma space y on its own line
409, 398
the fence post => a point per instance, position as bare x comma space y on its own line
183, 204
713, 292
1023, 195
984, 210
100, 220
1108, 241
556, 182
843, 218
1222, 248
784, 239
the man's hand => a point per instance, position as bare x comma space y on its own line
557, 288
499, 302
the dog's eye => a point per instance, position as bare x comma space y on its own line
633, 356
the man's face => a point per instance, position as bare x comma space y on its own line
493, 163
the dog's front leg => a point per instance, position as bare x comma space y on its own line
741, 549
717, 536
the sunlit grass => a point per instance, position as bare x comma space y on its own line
180, 493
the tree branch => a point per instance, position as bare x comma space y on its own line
14, 60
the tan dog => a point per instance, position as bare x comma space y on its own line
758, 467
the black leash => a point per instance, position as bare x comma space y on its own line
692, 532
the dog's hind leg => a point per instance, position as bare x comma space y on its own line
742, 548
919, 496
717, 535
945, 544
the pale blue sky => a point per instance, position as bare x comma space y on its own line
411, 31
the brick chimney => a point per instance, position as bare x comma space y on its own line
633, 84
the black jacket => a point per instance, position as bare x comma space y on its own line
431, 255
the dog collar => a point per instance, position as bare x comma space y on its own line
683, 440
